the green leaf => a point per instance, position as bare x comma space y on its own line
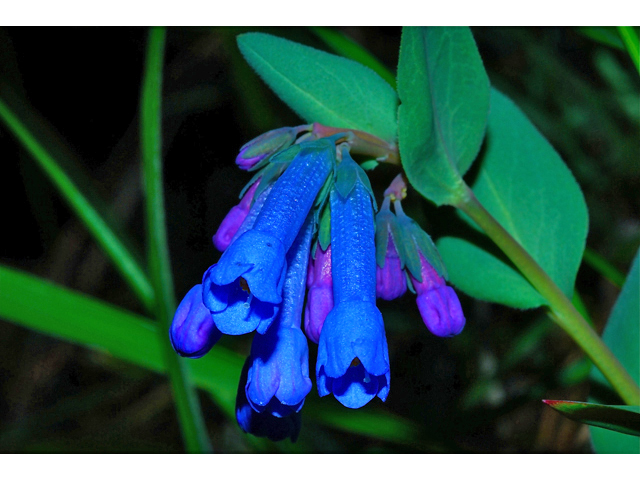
343, 45
321, 87
78, 318
622, 336
605, 35
618, 418
524, 184
444, 94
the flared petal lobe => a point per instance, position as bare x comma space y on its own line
353, 359
263, 424
193, 332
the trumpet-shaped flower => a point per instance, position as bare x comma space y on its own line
193, 331
353, 359
391, 282
244, 289
278, 378
263, 424
320, 296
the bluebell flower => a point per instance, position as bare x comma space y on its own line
278, 378
353, 358
244, 289
320, 296
263, 424
193, 331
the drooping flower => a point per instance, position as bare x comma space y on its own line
391, 282
265, 146
234, 219
244, 289
438, 303
278, 378
320, 296
353, 359
263, 424
193, 332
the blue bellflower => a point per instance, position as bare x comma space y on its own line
263, 424
353, 359
278, 377
244, 289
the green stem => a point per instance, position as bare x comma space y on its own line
630, 40
185, 396
603, 267
563, 312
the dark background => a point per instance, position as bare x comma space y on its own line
478, 392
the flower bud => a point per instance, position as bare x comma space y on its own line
391, 281
193, 331
438, 304
320, 296
231, 223
265, 146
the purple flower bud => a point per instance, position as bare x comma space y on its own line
438, 303
192, 331
391, 281
231, 223
265, 145
320, 296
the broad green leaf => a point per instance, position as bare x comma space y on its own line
618, 418
605, 35
80, 319
444, 94
343, 45
622, 336
525, 185
321, 87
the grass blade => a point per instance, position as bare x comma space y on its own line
631, 43
79, 202
603, 267
83, 320
191, 421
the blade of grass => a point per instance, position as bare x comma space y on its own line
603, 267
343, 45
194, 431
79, 202
81, 319
631, 43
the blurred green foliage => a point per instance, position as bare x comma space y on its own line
479, 392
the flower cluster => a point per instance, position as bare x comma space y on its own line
306, 221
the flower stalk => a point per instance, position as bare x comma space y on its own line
564, 313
